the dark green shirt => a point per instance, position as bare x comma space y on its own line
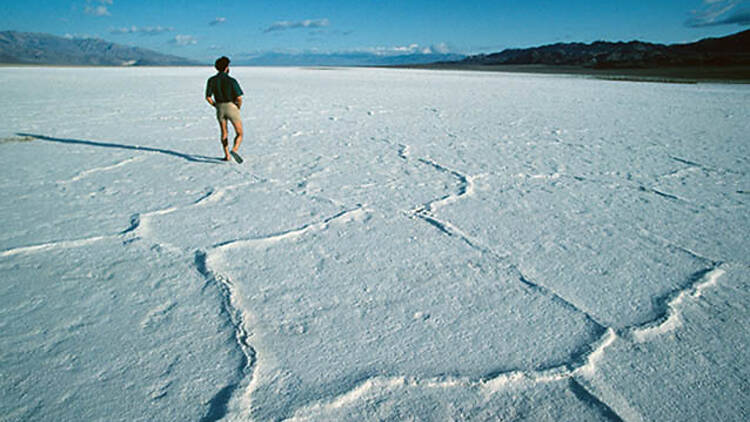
223, 87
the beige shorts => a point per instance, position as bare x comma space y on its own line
228, 111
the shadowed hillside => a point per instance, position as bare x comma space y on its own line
46, 49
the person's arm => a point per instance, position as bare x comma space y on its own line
238, 93
209, 94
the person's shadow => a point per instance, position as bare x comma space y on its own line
188, 157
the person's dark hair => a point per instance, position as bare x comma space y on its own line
221, 63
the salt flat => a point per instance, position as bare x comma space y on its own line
398, 245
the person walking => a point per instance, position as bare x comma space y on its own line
224, 93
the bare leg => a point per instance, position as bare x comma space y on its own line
238, 137
224, 140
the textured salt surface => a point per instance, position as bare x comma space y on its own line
397, 245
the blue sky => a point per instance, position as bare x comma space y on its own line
205, 29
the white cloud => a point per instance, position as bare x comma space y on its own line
78, 36
308, 23
217, 21
184, 40
97, 11
440, 48
98, 7
148, 30
721, 12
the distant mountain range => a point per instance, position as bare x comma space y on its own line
46, 49
725, 51
344, 59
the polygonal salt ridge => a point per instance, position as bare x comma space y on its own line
585, 368
232, 311
85, 173
355, 214
372, 387
232, 308
671, 316
62, 244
